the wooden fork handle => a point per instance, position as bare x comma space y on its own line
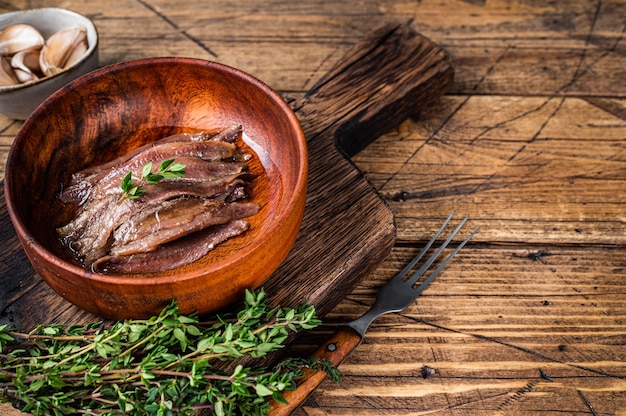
336, 349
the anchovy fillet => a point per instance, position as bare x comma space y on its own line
210, 196
175, 254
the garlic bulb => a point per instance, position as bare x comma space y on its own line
63, 49
19, 37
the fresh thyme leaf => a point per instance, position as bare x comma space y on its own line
165, 365
171, 170
127, 182
129, 189
135, 192
153, 178
173, 175
164, 165
147, 168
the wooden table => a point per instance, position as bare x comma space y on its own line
530, 318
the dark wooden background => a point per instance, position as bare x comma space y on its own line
530, 141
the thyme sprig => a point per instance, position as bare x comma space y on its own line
165, 365
167, 170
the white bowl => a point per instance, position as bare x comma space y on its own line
19, 101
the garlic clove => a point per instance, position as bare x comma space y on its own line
24, 76
26, 65
77, 53
61, 50
19, 37
7, 75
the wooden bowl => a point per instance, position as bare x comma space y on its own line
115, 109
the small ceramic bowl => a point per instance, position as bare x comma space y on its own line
19, 101
115, 109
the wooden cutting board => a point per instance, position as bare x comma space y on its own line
348, 229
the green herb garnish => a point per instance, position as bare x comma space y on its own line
166, 365
167, 170
129, 189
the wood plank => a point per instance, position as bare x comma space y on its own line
528, 169
569, 47
529, 332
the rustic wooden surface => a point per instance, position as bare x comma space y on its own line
530, 319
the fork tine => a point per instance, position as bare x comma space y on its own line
411, 281
417, 258
435, 272
395, 296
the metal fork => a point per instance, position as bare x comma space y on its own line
395, 296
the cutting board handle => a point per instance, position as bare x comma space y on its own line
383, 80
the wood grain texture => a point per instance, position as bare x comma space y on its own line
334, 350
530, 318
503, 330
